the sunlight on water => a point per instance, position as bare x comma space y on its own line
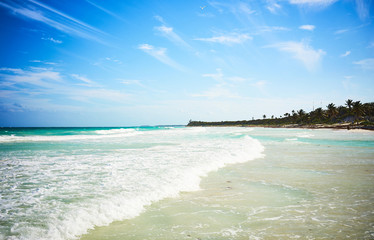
186, 183
57, 186
316, 186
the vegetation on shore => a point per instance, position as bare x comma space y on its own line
353, 115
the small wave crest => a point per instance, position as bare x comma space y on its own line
76, 192
115, 131
99, 134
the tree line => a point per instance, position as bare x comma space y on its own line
353, 112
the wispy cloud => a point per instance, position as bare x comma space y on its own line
345, 54
341, 31
106, 11
169, 33
266, 29
366, 64
225, 87
114, 60
52, 40
362, 9
218, 76
131, 82
229, 39
302, 52
273, 6
40, 12
313, 3
86, 82
43, 86
43, 62
237, 8
259, 84
160, 55
307, 27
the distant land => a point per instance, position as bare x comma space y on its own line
353, 115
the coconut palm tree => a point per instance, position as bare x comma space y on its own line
349, 104
358, 110
318, 115
332, 111
301, 115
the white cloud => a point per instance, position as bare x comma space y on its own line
345, 54
38, 77
237, 8
160, 19
313, 3
131, 82
302, 52
362, 9
366, 64
227, 39
160, 54
259, 84
218, 76
265, 29
106, 11
40, 12
307, 27
52, 40
273, 6
244, 8
46, 85
39, 61
172, 36
83, 79
341, 31
145, 47
113, 60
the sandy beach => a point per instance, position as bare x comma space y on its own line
310, 184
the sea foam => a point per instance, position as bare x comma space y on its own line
53, 194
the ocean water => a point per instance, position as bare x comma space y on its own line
186, 183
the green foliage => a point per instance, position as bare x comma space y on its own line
352, 111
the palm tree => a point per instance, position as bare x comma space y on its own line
318, 114
294, 116
331, 110
264, 116
301, 114
349, 104
358, 110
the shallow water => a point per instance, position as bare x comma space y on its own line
186, 183
312, 184
58, 183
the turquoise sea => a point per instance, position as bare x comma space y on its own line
186, 183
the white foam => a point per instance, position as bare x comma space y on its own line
101, 134
115, 131
71, 193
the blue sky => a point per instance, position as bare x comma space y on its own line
126, 63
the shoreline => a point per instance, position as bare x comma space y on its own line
336, 126
302, 191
